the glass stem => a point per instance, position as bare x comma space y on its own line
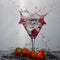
33, 44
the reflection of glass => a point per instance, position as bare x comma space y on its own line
33, 25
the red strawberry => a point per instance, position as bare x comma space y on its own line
40, 54
18, 51
34, 32
32, 54
25, 51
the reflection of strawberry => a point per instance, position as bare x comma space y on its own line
32, 54
34, 32
18, 51
40, 54
25, 51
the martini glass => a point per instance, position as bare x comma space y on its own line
33, 25
33, 28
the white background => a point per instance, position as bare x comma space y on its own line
14, 35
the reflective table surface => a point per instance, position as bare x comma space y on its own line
50, 55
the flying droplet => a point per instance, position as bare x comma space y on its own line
43, 37
29, 43
25, 44
57, 46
